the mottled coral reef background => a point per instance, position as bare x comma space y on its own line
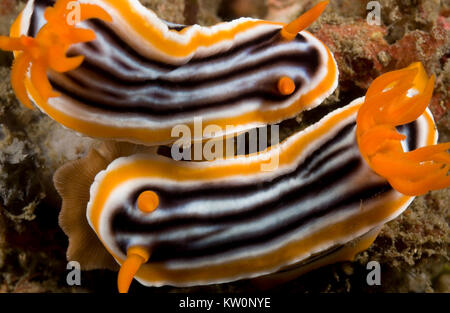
413, 249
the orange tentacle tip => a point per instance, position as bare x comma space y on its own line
290, 31
286, 86
147, 201
390, 103
136, 256
47, 51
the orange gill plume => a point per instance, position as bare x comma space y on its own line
395, 99
48, 49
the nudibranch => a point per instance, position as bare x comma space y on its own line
194, 223
122, 73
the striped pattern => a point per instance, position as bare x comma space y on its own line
207, 225
126, 82
123, 84
199, 223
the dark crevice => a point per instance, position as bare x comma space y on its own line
191, 8
6, 59
233, 9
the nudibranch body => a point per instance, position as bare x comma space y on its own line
142, 76
210, 215
195, 223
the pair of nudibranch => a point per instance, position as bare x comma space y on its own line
128, 76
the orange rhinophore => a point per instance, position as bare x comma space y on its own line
48, 49
286, 85
136, 256
395, 99
148, 201
291, 30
